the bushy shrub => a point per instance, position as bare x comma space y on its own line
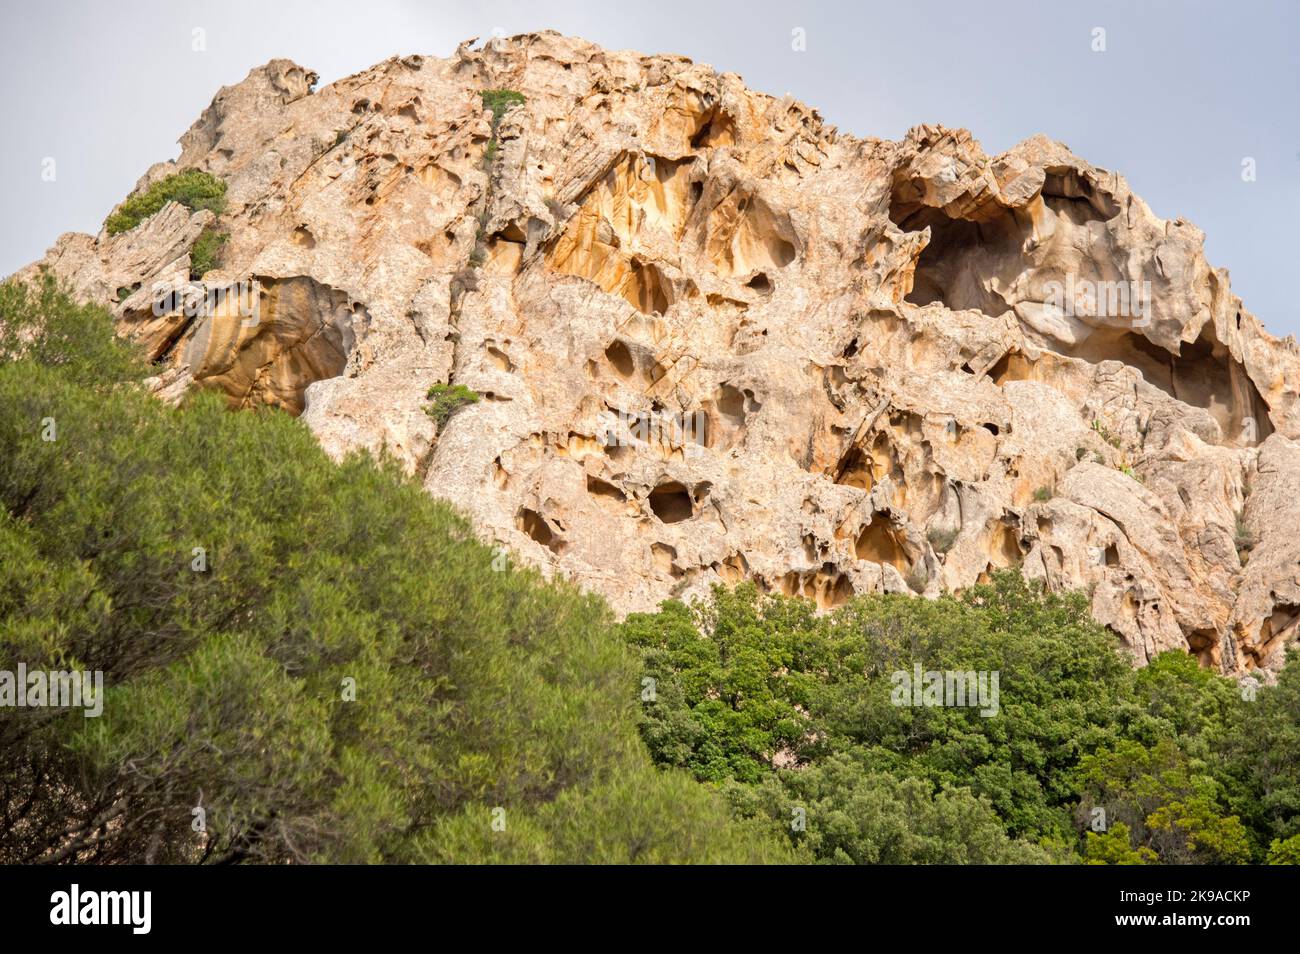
191, 188
446, 400
40, 323
206, 252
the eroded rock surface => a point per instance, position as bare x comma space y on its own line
884, 385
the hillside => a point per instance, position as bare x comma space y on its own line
710, 338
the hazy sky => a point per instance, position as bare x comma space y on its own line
1182, 94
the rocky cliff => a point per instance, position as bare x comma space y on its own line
714, 339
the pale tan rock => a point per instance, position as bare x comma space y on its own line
894, 394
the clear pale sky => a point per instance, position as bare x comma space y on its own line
1182, 94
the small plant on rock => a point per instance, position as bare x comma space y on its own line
500, 101
206, 252
1242, 535
446, 400
1105, 434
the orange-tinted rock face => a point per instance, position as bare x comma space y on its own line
715, 339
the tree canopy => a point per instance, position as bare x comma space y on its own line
785, 710
310, 660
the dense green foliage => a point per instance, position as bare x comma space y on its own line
41, 325
191, 188
446, 399
788, 711
319, 656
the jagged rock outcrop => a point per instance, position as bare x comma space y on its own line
715, 338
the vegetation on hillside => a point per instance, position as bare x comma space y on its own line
792, 715
500, 101
315, 661
309, 661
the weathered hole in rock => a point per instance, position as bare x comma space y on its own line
864, 467
855, 470
1204, 645
1275, 630
532, 523
743, 234
671, 502
879, 542
1204, 375
954, 268
500, 359
716, 129
1004, 546
1012, 366
723, 418
1068, 193
647, 288
605, 491
578, 446
663, 557
302, 333
620, 359
733, 569
827, 587
637, 195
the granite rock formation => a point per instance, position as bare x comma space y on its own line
716, 339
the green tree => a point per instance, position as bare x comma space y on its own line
1114, 847
844, 813
446, 399
206, 252
1169, 804
1260, 758
317, 657
785, 707
1285, 851
40, 323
